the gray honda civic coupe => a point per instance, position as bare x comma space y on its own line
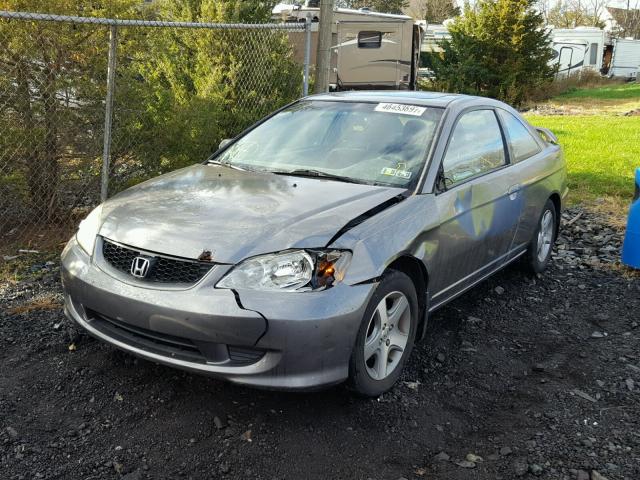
311, 249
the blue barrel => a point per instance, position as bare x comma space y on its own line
631, 245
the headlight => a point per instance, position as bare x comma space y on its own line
290, 271
88, 230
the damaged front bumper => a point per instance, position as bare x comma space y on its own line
272, 340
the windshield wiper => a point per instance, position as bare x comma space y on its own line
225, 164
306, 172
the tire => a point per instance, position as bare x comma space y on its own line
374, 375
544, 237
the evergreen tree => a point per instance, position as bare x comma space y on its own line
498, 48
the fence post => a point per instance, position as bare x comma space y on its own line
307, 55
108, 112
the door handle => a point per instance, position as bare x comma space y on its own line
513, 191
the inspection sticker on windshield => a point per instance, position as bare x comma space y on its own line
396, 172
400, 108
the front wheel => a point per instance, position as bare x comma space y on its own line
386, 336
539, 252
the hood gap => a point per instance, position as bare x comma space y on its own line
366, 215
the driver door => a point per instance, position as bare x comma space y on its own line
478, 204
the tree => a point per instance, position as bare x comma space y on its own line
383, 6
178, 92
498, 48
626, 21
50, 96
575, 13
193, 87
433, 11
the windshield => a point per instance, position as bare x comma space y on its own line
373, 143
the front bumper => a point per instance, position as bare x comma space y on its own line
272, 340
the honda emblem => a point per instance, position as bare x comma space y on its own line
140, 267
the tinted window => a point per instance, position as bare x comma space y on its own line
522, 143
593, 58
369, 39
475, 147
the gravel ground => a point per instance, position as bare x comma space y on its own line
522, 377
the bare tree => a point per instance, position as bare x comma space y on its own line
575, 13
433, 11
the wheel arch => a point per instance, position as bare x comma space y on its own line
557, 203
417, 272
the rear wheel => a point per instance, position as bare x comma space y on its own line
386, 336
539, 252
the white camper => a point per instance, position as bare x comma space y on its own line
434, 34
578, 49
370, 50
625, 59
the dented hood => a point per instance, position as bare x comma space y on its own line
234, 214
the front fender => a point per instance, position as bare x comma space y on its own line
404, 229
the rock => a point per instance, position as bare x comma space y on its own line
531, 444
520, 469
13, 433
440, 357
499, 290
536, 469
504, 451
630, 384
135, 475
584, 395
466, 464
472, 457
225, 468
633, 367
598, 335
442, 457
595, 475
582, 475
219, 423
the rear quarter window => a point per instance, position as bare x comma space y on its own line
523, 144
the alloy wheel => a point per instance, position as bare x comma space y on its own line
545, 236
387, 335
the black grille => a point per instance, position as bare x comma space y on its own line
172, 346
161, 270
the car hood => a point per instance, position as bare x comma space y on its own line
234, 214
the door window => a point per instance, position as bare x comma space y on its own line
522, 143
475, 147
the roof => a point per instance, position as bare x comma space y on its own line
428, 99
372, 13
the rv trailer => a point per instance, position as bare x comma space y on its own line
575, 50
625, 59
578, 49
369, 50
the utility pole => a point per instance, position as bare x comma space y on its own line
323, 54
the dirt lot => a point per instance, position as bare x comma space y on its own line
540, 377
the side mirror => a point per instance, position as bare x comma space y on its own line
224, 143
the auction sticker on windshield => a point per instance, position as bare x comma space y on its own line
400, 108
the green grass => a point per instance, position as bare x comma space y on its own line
602, 153
621, 91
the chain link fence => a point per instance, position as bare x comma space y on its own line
90, 106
